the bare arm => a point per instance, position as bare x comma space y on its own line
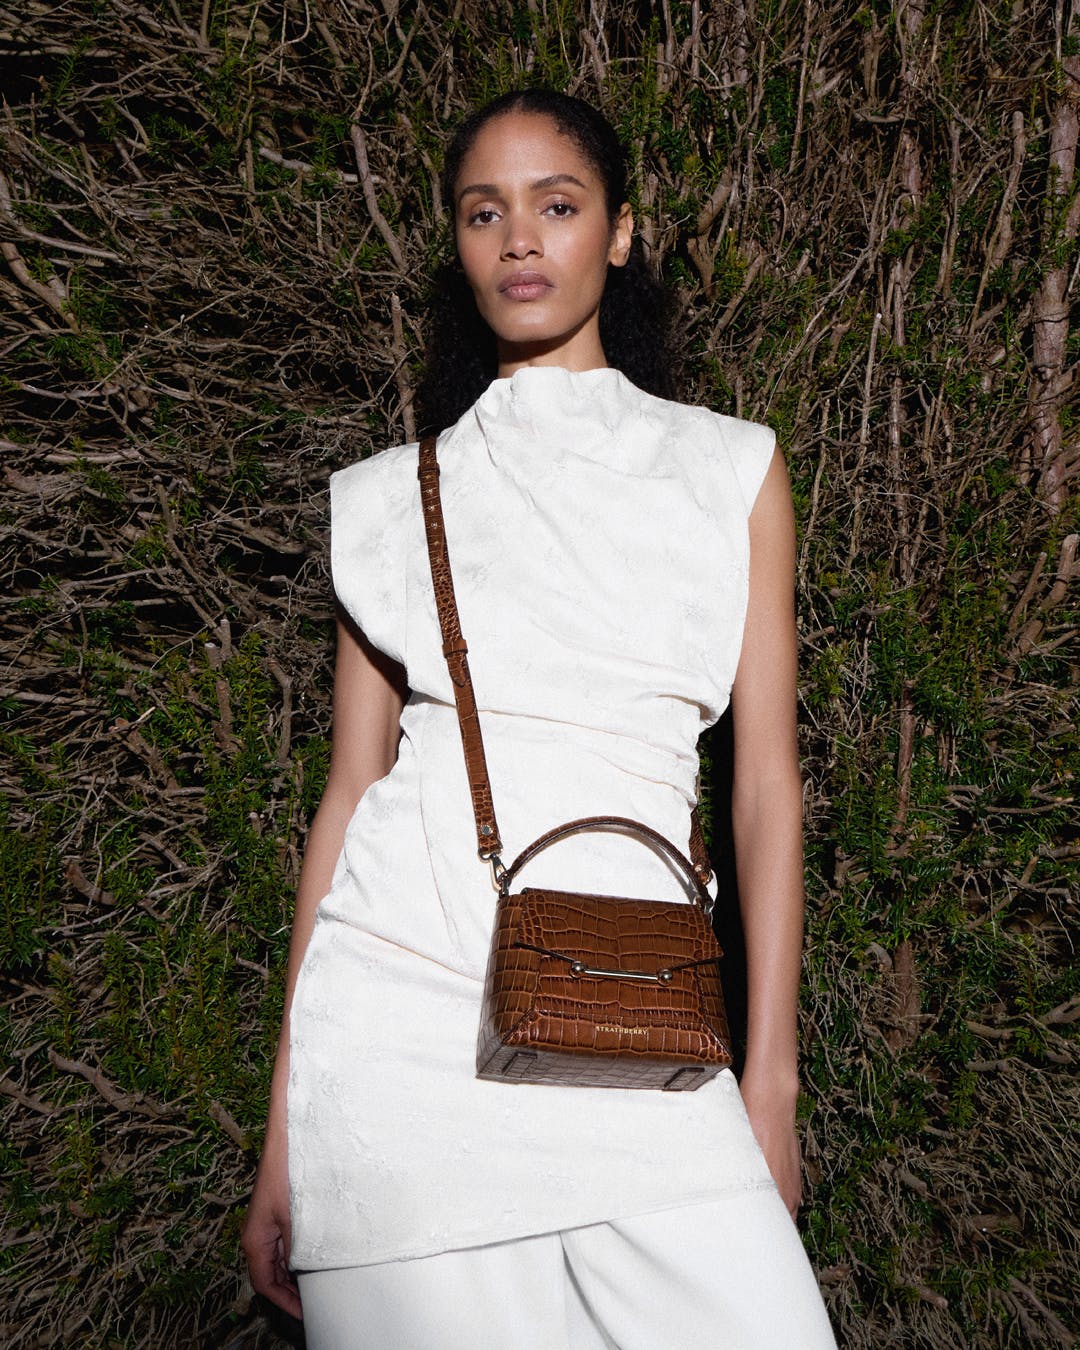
368, 698
767, 825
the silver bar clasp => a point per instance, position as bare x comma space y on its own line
661, 976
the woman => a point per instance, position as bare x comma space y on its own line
606, 544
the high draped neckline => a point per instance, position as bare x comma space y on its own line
581, 410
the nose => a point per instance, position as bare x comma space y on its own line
521, 238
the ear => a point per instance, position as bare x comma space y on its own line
621, 236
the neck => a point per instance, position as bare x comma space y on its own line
580, 350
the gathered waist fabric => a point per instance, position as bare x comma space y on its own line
542, 776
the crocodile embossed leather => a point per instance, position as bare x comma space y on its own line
583, 990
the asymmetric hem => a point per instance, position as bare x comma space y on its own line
484, 1237
600, 550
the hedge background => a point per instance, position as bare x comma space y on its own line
217, 217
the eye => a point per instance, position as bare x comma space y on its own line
483, 215
560, 210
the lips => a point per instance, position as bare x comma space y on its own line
525, 286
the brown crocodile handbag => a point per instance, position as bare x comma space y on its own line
589, 990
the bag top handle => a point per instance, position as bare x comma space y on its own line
455, 650
615, 825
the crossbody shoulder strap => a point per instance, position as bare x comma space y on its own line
488, 842
455, 650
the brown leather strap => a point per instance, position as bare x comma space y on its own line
488, 842
454, 649
616, 824
698, 852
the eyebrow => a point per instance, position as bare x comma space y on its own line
492, 189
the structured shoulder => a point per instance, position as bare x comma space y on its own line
735, 433
370, 505
741, 435
738, 449
384, 470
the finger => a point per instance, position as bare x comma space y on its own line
263, 1271
272, 1280
286, 1281
284, 1296
287, 1297
264, 1265
282, 1274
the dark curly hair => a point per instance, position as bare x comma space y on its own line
461, 357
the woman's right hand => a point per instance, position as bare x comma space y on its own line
266, 1235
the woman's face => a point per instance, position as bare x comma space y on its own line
535, 240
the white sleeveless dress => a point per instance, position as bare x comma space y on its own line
599, 544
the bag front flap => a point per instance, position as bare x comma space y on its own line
613, 933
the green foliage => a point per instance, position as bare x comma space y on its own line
781, 92
28, 897
66, 71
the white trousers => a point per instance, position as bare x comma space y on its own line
727, 1275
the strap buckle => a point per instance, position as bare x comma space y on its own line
498, 870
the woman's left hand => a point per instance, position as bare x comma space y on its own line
771, 1110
